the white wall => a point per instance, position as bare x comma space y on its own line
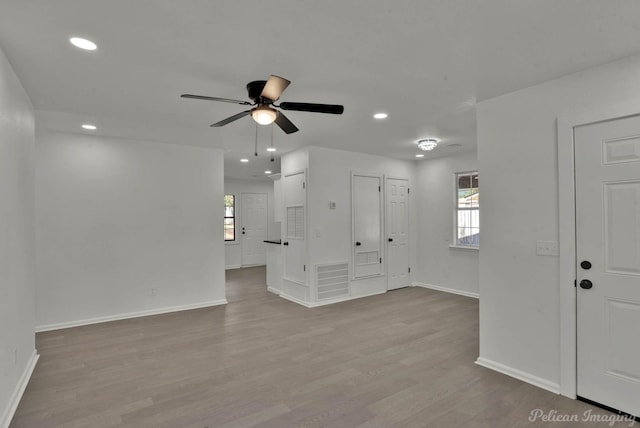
439, 265
233, 250
330, 230
117, 219
17, 254
519, 310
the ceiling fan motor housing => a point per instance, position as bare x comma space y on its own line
255, 90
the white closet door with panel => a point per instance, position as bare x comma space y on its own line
367, 225
294, 239
254, 228
397, 195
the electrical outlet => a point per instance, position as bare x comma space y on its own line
547, 248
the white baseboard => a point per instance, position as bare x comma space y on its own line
232, 267
520, 375
77, 323
344, 299
294, 299
228, 267
273, 290
447, 290
5, 420
327, 302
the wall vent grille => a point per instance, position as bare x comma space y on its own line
332, 280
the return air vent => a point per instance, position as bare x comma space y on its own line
332, 280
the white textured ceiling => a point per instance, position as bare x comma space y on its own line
425, 63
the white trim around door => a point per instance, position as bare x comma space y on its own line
567, 235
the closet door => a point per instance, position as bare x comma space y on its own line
367, 225
294, 239
397, 196
254, 229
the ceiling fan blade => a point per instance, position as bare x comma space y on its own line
314, 108
224, 100
231, 119
285, 124
274, 87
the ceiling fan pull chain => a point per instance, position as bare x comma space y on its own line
255, 150
272, 157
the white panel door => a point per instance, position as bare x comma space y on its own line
397, 233
607, 174
254, 228
294, 227
367, 226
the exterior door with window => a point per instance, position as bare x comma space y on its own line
254, 229
397, 233
607, 180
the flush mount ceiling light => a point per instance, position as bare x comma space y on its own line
85, 44
420, 155
89, 127
267, 172
380, 116
271, 149
244, 160
427, 144
264, 115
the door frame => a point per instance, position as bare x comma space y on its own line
567, 232
386, 216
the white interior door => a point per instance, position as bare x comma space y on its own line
254, 228
367, 225
397, 233
607, 176
294, 233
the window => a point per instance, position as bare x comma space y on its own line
229, 218
467, 212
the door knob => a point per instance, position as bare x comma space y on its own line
586, 284
390, 239
586, 265
358, 244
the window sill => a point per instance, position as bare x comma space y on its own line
231, 242
464, 247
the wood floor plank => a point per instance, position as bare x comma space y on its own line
401, 359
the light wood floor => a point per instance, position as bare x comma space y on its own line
401, 359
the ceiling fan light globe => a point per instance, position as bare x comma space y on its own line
264, 115
427, 144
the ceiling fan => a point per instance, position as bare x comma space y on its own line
264, 94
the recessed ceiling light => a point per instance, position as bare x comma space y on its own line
271, 149
85, 44
419, 155
380, 116
89, 127
244, 160
267, 172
